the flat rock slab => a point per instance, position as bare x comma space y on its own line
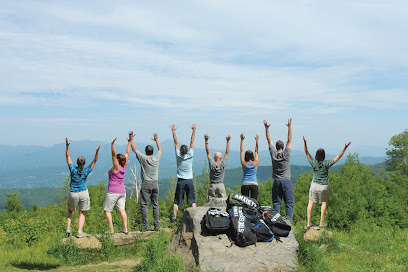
314, 233
214, 253
93, 241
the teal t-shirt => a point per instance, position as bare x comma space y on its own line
321, 170
185, 164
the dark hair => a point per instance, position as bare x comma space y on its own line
81, 162
183, 150
279, 145
320, 155
149, 150
122, 159
249, 155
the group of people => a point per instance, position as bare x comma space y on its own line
149, 163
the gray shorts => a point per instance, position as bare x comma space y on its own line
216, 189
318, 193
111, 199
79, 200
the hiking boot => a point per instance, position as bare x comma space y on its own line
147, 229
68, 232
173, 221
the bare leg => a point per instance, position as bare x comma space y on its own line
194, 205
69, 218
309, 213
323, 212
124, 219
81, 220
175, 209
108, 216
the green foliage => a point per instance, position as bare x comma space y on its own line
398, 154
156, 257
202, 188
13, 204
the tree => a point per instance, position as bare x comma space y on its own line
13, 204
398, 154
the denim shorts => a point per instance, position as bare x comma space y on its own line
187, 186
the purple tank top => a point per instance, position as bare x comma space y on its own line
116, 184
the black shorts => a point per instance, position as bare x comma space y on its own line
187, 186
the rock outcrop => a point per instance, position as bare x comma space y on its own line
314, 233
213, 253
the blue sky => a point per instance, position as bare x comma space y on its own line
98, 69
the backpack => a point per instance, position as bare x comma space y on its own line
275, 221
263, 232
216, 221
242, 232
250, 206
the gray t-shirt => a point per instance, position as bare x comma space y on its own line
217, 171
149, 166
280, 163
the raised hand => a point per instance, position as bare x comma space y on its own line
289, 122
304, 139
193, 126
206, 137
113, 141
242, 136
66, 141
155, 138
173, 127
131, 136
99, 147
346, 145
266, 124
257, 137
228, 138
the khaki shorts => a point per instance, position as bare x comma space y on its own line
113, 199
79, 200
216, 189
318, 193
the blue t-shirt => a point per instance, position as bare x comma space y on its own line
185, 164
78, 178
249, 174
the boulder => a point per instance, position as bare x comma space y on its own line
314, 233
215, 253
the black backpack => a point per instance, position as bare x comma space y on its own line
275, 222
250, 206
241, 231
263, 232
216, 221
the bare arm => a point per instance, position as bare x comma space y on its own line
69, 161
96, 157
193, 127
242, 151
256, 161
156, 139
115, 161
130, 141
228, 138
173, 129
341, 153
289, 142
268, 136
307, 152
207, 149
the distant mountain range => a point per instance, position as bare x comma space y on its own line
39, 166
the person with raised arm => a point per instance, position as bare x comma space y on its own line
281, 174
217, 170
78, 191
319, 188
249, 164
116, 195
184, 158
149, 170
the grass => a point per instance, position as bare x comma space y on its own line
364, 248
